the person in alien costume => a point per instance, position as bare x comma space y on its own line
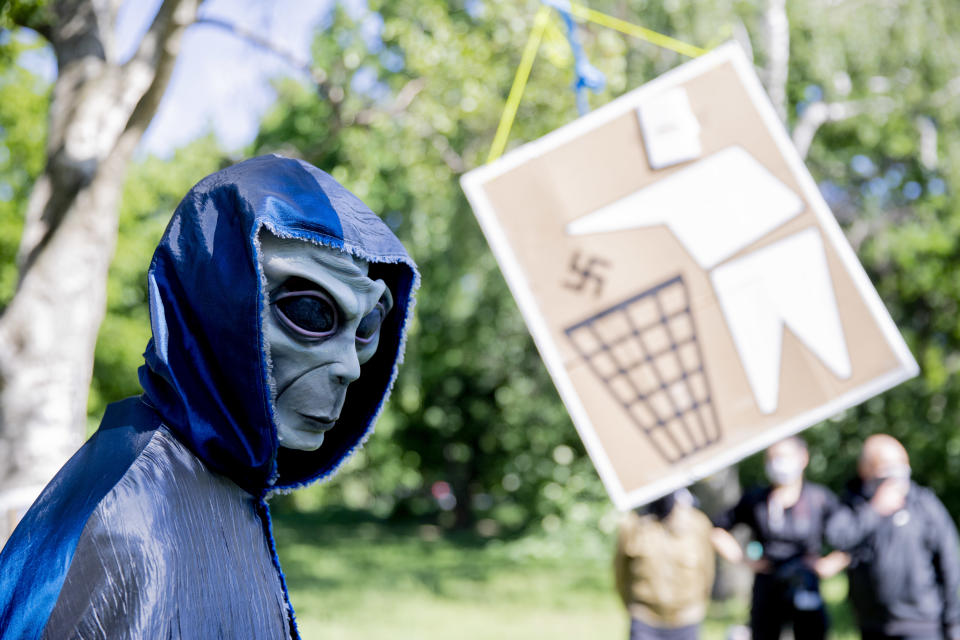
278, 307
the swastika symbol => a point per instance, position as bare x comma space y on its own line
584, 273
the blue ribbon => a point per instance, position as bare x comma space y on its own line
588, 76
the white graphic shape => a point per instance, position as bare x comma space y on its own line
715, 207
784, 284
671, 132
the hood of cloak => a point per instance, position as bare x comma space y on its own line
207, 369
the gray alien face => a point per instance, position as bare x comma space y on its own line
321, 322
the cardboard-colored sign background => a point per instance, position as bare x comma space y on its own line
525, 201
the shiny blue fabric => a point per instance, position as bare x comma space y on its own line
35, 559
207, 572
206, 373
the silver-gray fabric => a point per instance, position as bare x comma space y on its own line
173, 551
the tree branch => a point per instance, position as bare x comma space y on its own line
450, 157
861, 229
152, 44
742, 37
334, 94
820, 113
776, 40
928, 142
156, 58
947, 93
318, 76
400, 104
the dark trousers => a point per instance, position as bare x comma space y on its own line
640, 630
774, 604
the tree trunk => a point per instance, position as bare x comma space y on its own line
98, 113
776, 42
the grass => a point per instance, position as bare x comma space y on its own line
352, 577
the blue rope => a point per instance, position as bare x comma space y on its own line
588, 76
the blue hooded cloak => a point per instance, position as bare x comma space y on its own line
158, 527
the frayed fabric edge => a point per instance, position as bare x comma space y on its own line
318, 239
264, 509
266, 360
368, 432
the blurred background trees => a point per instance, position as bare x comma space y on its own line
406, 96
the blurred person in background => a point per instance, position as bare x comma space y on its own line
787, 521
664, 567
904, 570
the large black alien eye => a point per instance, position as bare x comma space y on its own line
311, 314
370, 324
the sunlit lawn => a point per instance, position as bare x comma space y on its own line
359, 579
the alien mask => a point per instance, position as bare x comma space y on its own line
321, 323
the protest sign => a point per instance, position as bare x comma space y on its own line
685, 282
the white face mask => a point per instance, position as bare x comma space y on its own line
783, 470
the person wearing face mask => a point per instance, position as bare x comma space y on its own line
905, 568
786, 520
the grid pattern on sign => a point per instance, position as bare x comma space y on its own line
645, 350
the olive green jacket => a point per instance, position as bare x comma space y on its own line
664, 569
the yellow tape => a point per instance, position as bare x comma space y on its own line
540, 23
519, 84
555, 46
623, 26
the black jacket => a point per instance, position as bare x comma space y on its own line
799, 530
905, 568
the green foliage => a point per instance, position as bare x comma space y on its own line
151, 192
33, 14
24, 99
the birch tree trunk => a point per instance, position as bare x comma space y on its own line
776, 44
99, 110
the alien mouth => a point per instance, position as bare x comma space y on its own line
319, 423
